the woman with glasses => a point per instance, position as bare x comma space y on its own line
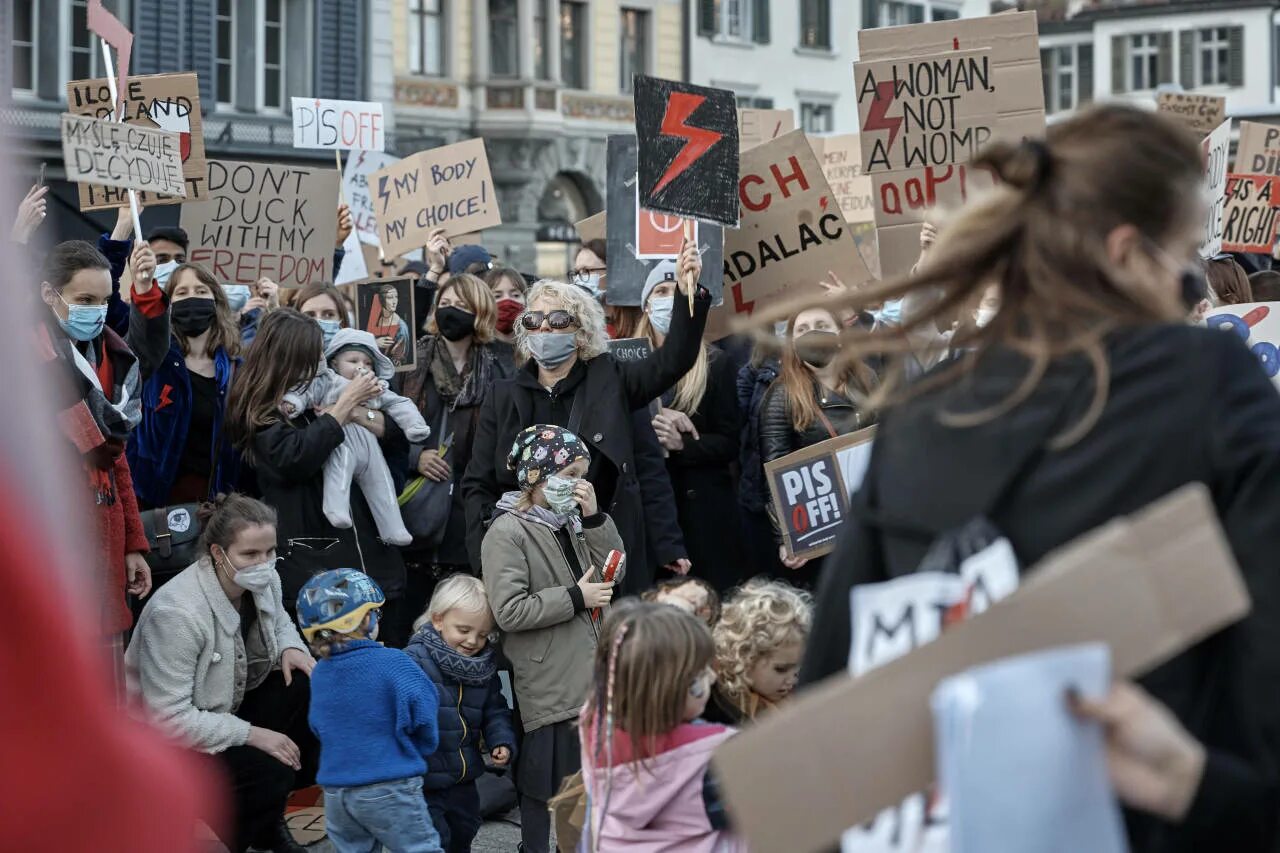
563, 380
590, 268
457, 365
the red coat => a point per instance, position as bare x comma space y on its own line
119, 532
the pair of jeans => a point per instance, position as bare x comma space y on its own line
456, 814
391, 814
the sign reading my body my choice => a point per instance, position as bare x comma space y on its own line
339, 125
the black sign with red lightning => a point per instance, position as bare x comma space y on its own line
688, 138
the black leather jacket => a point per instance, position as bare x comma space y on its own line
778, 436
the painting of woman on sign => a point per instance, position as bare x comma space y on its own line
385, 307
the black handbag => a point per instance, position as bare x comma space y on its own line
173, 532
425, 504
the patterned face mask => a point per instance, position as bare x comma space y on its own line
559, 495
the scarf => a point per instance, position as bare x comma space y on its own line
101, 403
466, 390
471, 671
538, 514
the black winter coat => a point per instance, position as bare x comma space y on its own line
778, 436
289, 459
606, 393
1184, 405
663, 540
701, 476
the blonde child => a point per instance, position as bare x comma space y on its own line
541, 560
691, 594
760, 641
646, 762
450, 643
374, 712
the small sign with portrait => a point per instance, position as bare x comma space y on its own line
384, 309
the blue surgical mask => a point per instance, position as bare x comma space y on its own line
890, 313
329, 328
163, 272
591, 282
552, 349
660, 313
237, 296
84, 322
558, 493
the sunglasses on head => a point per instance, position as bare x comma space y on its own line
558, 319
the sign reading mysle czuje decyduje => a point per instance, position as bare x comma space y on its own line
129, 156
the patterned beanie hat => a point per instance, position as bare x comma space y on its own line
541, 450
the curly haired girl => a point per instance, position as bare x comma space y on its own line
760, 640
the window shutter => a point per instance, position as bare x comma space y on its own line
760, 21
1235, 38
1164, 67
201, 52
1187, 59
1046, 78
1118, 57
1084, 62
158, 45
707, 23
48, 47
339, 72
824, 23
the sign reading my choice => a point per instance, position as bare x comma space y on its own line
338, 125
130, 156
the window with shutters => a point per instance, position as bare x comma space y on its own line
899, 13
735, 19
271, 23
573, 44
224, 52
815, 24
86, 55
633, 47
1144, 62
426, 37
816, 118
1214, 53
25, 17
504, 38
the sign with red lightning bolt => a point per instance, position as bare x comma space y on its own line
688, 149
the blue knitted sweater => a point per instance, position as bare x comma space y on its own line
375, 713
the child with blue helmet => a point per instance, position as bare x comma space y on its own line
375, 714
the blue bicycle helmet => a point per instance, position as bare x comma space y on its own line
337, 600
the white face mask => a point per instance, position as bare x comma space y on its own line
163, 271
255, 579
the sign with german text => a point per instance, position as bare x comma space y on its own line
1249, 218
1217, 151
841, 158
757, 126
265, 219
128, 156
1258, 151
338, 125
688, 149
811, 487
1201, 113
166, 101
1258, 325
448, 187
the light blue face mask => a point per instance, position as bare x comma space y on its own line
237, 296
163, 272
890, 313
552, 349
558, 492
328, 328
84, 322
660, 313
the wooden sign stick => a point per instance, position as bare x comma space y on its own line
117, 114
688, 281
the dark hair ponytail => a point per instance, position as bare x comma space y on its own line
222, 519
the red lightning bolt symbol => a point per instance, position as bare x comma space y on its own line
698, 140
876, 118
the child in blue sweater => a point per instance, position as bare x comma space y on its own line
451, 646
375, 715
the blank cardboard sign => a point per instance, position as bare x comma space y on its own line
1149, 586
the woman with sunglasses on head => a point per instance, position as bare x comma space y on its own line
1085, 398
564, 380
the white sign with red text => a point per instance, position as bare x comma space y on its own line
338, 125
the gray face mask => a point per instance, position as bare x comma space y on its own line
552, 349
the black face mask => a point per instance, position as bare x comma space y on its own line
816, 348
193, 316
454, 323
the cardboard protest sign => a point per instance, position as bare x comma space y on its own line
1217, 149
688, 149
265, 219
1201, 113
166, 101
904, 198
591, 228
1149, 585
355, 189
841, 158
1258, 325
129, 156
448, 187
629, 263
1258, 150
630, 349
338, 125
757, 126
1249, 218
810, 490
384, 309
791, 237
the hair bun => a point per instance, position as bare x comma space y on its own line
209, 508
1026, 166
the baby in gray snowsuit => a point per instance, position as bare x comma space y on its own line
350, 353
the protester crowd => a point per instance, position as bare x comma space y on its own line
279, 512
